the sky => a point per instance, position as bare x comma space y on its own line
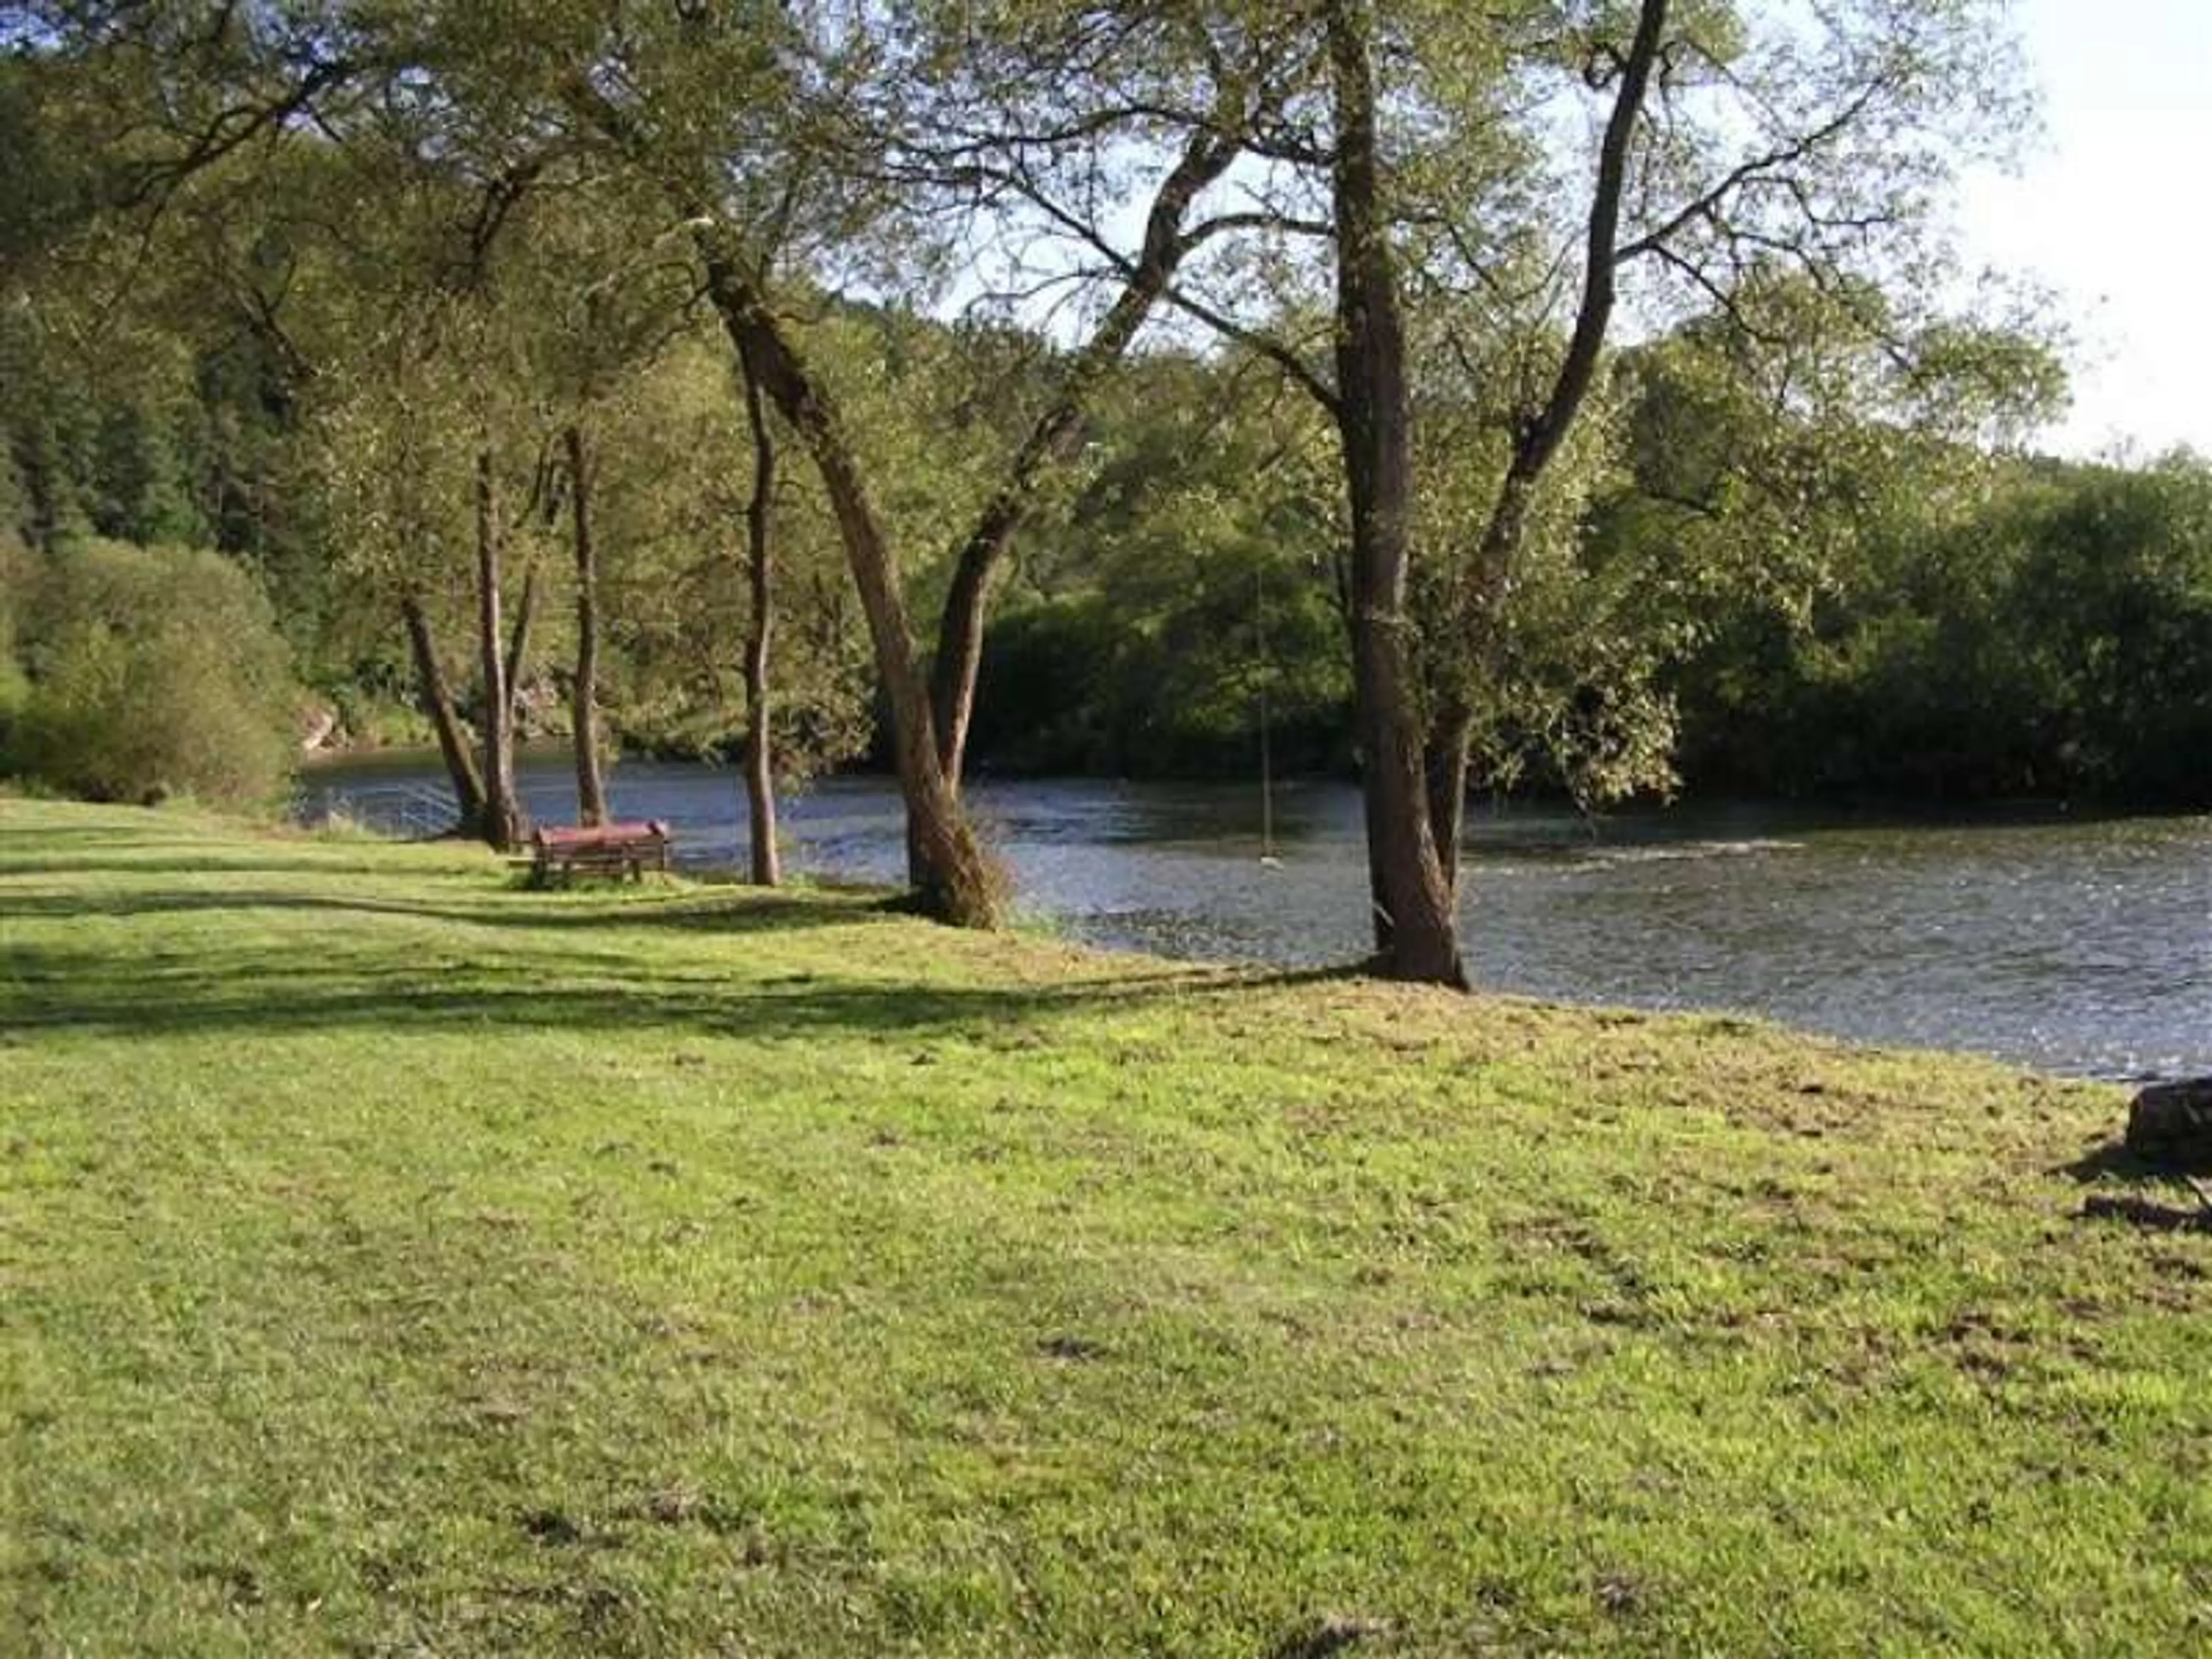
2110, 212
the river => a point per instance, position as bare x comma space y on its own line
2083, 947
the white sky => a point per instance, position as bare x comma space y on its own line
2112, 213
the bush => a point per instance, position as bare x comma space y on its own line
152, 671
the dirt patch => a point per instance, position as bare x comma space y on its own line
1077, 1349
1331, 1634
551, 1527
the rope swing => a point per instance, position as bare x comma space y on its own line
1267, 859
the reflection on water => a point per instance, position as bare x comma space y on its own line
2083, 947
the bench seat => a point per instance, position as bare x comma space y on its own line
625, 850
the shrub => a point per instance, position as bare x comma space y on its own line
153, 671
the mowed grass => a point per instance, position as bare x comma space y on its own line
394, 1260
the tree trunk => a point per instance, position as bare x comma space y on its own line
760, 768
1053, 439
953, 880
437, 699
1445, 759
504, 824
1489, 579
1417, 929
517, 644
584, 721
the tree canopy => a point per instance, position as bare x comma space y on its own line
1552, 394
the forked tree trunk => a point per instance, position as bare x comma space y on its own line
1053, 438
1416, 927
1539, 435
504, 826
437, 699
953, 879
517, 643
584, 721
1445, 759
760, 758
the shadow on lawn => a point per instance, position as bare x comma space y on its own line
17, 824
2113, 1161
160, 860
285, 991
2116, 1163
579, 971
500, 907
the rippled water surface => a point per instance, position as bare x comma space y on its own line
2083, 947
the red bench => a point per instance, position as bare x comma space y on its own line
628, 850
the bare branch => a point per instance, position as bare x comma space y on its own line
1764, 168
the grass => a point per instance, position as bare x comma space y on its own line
391, 1259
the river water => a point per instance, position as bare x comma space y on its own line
2075, 946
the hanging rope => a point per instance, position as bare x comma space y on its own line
1267, 859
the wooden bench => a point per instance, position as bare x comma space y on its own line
627, 850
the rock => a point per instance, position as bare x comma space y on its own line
318, 727
2172, 1123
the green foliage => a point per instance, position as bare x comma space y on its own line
2108, 603
1559, 663
2050, 633
17, 571
1191, 574
1778, 550
105, 437
152, 671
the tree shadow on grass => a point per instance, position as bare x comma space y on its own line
509, 957
2136, 1211
2113, 1161
2116, 1161
324, 984
725, 911
25, 819
498, 906
201, 862
2118, 1164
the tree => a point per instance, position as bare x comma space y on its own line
1192, 567
414, 487
675, 504
776, 126
1724, 141
760, 511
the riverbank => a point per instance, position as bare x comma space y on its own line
395, 1258
2072, 946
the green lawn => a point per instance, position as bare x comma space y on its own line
393, 1259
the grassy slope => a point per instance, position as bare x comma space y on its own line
391, 1257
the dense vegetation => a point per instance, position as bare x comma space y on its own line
139, 672
398, 1260
2048, 638
1941, 625
1545, 396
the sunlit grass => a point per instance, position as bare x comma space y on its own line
393, 1259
